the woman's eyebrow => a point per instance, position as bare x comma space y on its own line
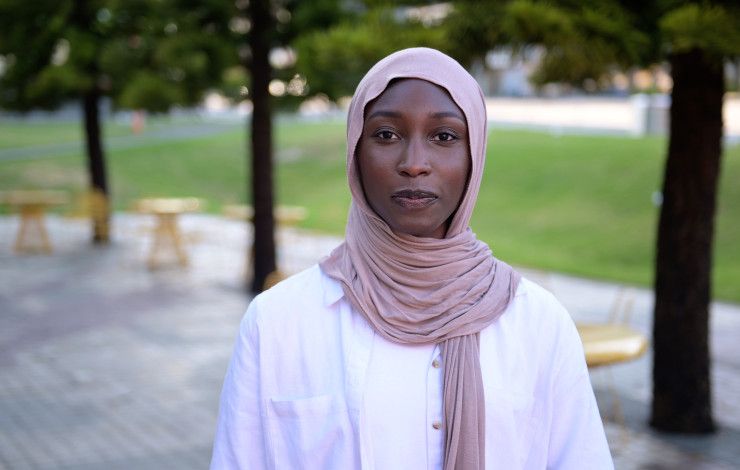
396, 114
446, 114
383, 113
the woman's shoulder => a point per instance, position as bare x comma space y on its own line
535, 334
534, 300
300, 298
306, 281
536, 312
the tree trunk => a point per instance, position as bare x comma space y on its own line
262, 184
99, 207
681, 368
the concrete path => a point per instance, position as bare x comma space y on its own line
107, 365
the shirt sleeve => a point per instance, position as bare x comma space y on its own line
240, 441
577, 438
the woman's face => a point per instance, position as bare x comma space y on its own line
413, 157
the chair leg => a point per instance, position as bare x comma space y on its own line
32, 225
43, 233
615, 413
156, 245
176, 239
20, 238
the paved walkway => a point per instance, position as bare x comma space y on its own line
106, 365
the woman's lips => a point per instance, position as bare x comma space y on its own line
413, 199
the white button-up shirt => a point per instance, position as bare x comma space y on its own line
311, 386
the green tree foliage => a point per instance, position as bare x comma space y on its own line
334, 60
589, 40
582, 40
711, 28
130, 50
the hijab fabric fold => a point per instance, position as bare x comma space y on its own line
414, 290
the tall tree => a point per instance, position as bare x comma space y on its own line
260, 70
234, 41
586, 40
261, 27
49, 50
702, 36
142, 54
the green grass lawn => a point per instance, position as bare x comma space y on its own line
575, 204
14, 134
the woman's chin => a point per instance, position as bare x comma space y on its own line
420, 230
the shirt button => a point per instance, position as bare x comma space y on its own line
437, 425
435, 363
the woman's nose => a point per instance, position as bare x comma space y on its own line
414, 161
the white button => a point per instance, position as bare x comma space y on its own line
437, 425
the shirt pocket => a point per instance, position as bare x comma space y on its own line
509, 429
311, 433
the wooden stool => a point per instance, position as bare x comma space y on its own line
32, 205
166, 231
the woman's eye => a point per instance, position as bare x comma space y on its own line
444, 137
385, 135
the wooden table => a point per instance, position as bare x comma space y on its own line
610, 343
32, 206
166, 231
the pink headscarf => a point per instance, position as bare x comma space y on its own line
423, 290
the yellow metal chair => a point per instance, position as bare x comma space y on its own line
611, 343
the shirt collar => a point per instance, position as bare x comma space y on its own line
332, 289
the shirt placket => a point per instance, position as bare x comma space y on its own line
435, 421
359, 337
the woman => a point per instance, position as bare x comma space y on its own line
410, 346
